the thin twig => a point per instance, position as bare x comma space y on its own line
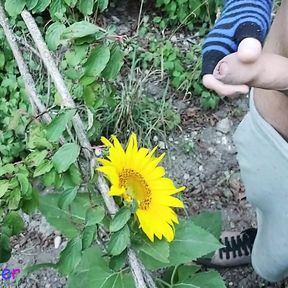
81, 134
36, 104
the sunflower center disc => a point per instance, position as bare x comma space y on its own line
136, 187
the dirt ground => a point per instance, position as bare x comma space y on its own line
200, 155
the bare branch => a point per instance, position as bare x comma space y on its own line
67, 101
36, 104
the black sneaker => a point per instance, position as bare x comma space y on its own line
237, 250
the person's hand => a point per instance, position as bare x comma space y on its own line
242, 28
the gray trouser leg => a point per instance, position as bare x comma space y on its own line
263, 160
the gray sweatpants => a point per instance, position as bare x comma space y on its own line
263, 160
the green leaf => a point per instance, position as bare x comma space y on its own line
120, 219
70, 256
5, 250
159, 250
65, 156
86, 6
186, 271
190, 243
118, 262
94, 272
102, 5
30, 4
14, 199
4, 185
75, 56
43, 168
58, 125
41, 6
79, 29
2, 60
95, 215
30, 205
97, 61
115, 63
15, 222
202, 280
88, 236
7, 169
24, 183
65, 221
67, 197
36, 158
53, 35
119, 241
57, 9
210, 221
14, 7
71, 3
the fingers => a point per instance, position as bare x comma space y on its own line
210, 82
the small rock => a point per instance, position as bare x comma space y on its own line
227, 193
162, 145
224, 125
98, 151
115, 19
171, 139
186, 176
173, 39
57, 242
155, 139
173, 158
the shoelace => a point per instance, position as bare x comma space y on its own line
242, 243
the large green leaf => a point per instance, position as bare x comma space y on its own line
70, 256
58, 125
53, 35
79, 30
62, 220
14, 7
119, 241
210, 221
93, 271
211, 279
65, 156
159, 250
86, 6
115, 63
97, 61
190, 243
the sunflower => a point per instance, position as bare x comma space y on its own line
134, 174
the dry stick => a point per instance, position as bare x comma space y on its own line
24, 71
80, 132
